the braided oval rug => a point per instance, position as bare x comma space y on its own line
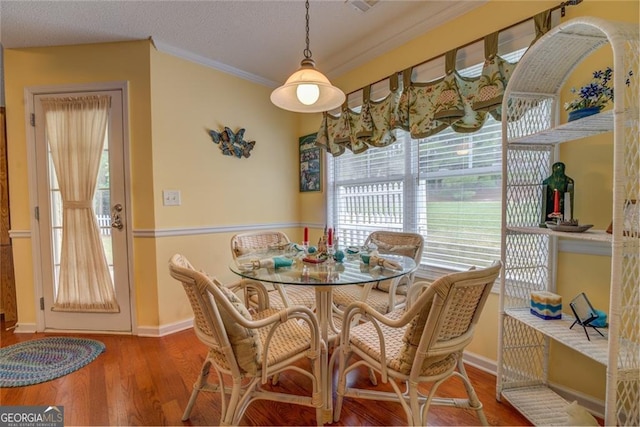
40, 360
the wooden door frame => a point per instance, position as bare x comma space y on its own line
29, 93
8, 302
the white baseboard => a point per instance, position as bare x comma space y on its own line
590, 403
155, 331
143, 331
593, 405
484, 364
25, 328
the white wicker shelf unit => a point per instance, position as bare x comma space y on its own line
531, 133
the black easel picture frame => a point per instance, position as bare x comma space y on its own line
584, 313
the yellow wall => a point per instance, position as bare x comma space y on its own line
72, 65
216, 190
593, 183
187, 100
172, 104
589, 274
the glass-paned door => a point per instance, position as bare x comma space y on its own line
109, 207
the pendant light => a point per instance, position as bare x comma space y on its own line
307, 90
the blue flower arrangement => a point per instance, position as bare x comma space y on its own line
597, 93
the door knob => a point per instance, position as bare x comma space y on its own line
116, 219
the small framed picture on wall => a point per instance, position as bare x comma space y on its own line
310, 164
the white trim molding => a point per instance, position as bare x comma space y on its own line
593, 405
192, 231
162, 330
571, 246
19, 234
211, 63
484, 364
357, 55
25, 328
189, 231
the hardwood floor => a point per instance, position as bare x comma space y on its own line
147, 381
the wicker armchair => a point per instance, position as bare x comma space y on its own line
246, 348
421, 343
280, 297
245, 243
390, 294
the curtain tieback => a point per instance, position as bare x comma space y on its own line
73, 204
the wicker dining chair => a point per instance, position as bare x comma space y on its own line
390, 294
259, 241
255, 241
248, 348
421, 343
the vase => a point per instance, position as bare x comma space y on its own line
583, 112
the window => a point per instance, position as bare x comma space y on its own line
446, 187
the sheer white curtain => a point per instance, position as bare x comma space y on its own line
75, 128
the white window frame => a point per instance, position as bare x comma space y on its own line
469, 61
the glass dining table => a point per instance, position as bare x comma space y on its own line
323, 277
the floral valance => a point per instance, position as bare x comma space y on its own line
425, 108
371, 127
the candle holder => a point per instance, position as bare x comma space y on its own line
331, 252
555, 217
557, 196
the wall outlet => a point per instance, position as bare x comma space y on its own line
171, 197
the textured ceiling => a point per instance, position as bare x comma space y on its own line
262, 41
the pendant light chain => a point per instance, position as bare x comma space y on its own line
307, 51
307, 90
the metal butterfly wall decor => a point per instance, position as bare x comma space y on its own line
232, 144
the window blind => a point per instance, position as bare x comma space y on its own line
447, 187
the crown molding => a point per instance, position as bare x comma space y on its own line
356, 56
210, 63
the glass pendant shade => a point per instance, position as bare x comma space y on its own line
307, 91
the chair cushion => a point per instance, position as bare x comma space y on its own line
385, 285
378, 300
297, 295
290, 339
389, 248
411, 340
400, 353
245, 342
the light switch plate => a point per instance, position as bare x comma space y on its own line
171, 197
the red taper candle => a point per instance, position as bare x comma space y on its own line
330, 236
556, 201
306, 235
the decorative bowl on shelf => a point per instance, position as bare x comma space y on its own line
583, 112
568, 227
